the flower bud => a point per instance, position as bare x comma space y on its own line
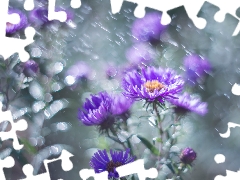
30, 68
188, 155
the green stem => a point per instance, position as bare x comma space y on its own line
174, 130
117, 138
159, 124
128, 140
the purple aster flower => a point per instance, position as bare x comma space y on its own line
152, 84
78, 71
121, 106
140, 53
188, 155
13, 28
103, 110
97, 112
101, 162
39, 16
196, 68
30, 68
148, 28
111, 71
187, 103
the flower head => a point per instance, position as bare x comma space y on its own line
148, 28
96, 111
140, 54
111, 71
101, 162
103, 110
13, 28
196, 67
187, 103
121, 106
188, 155
78, 71
152, 84
30, 68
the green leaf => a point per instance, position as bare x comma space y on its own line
169, 165
28, 146
157, 139
189, 166
102, 143
150, 146
175, 167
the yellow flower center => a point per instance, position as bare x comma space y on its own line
152, 85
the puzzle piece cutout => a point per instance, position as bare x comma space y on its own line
228, 21
56, 172
236, 89
14, 45
136, 167
89, 171
20, 125
60, 15
191, 8
29, 5
66, 165
13, 18
8, 162
230, 125
220, 158
9, 46
230, 175
52, 14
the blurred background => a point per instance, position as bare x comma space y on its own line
89, 53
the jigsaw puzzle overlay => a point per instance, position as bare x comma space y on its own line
9, 46
192, 9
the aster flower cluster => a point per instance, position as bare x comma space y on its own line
156, 86
150, 91
163, 90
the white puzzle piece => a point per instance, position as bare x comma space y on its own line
8, 45
66, 165
137, 167
8, 162
20, 125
